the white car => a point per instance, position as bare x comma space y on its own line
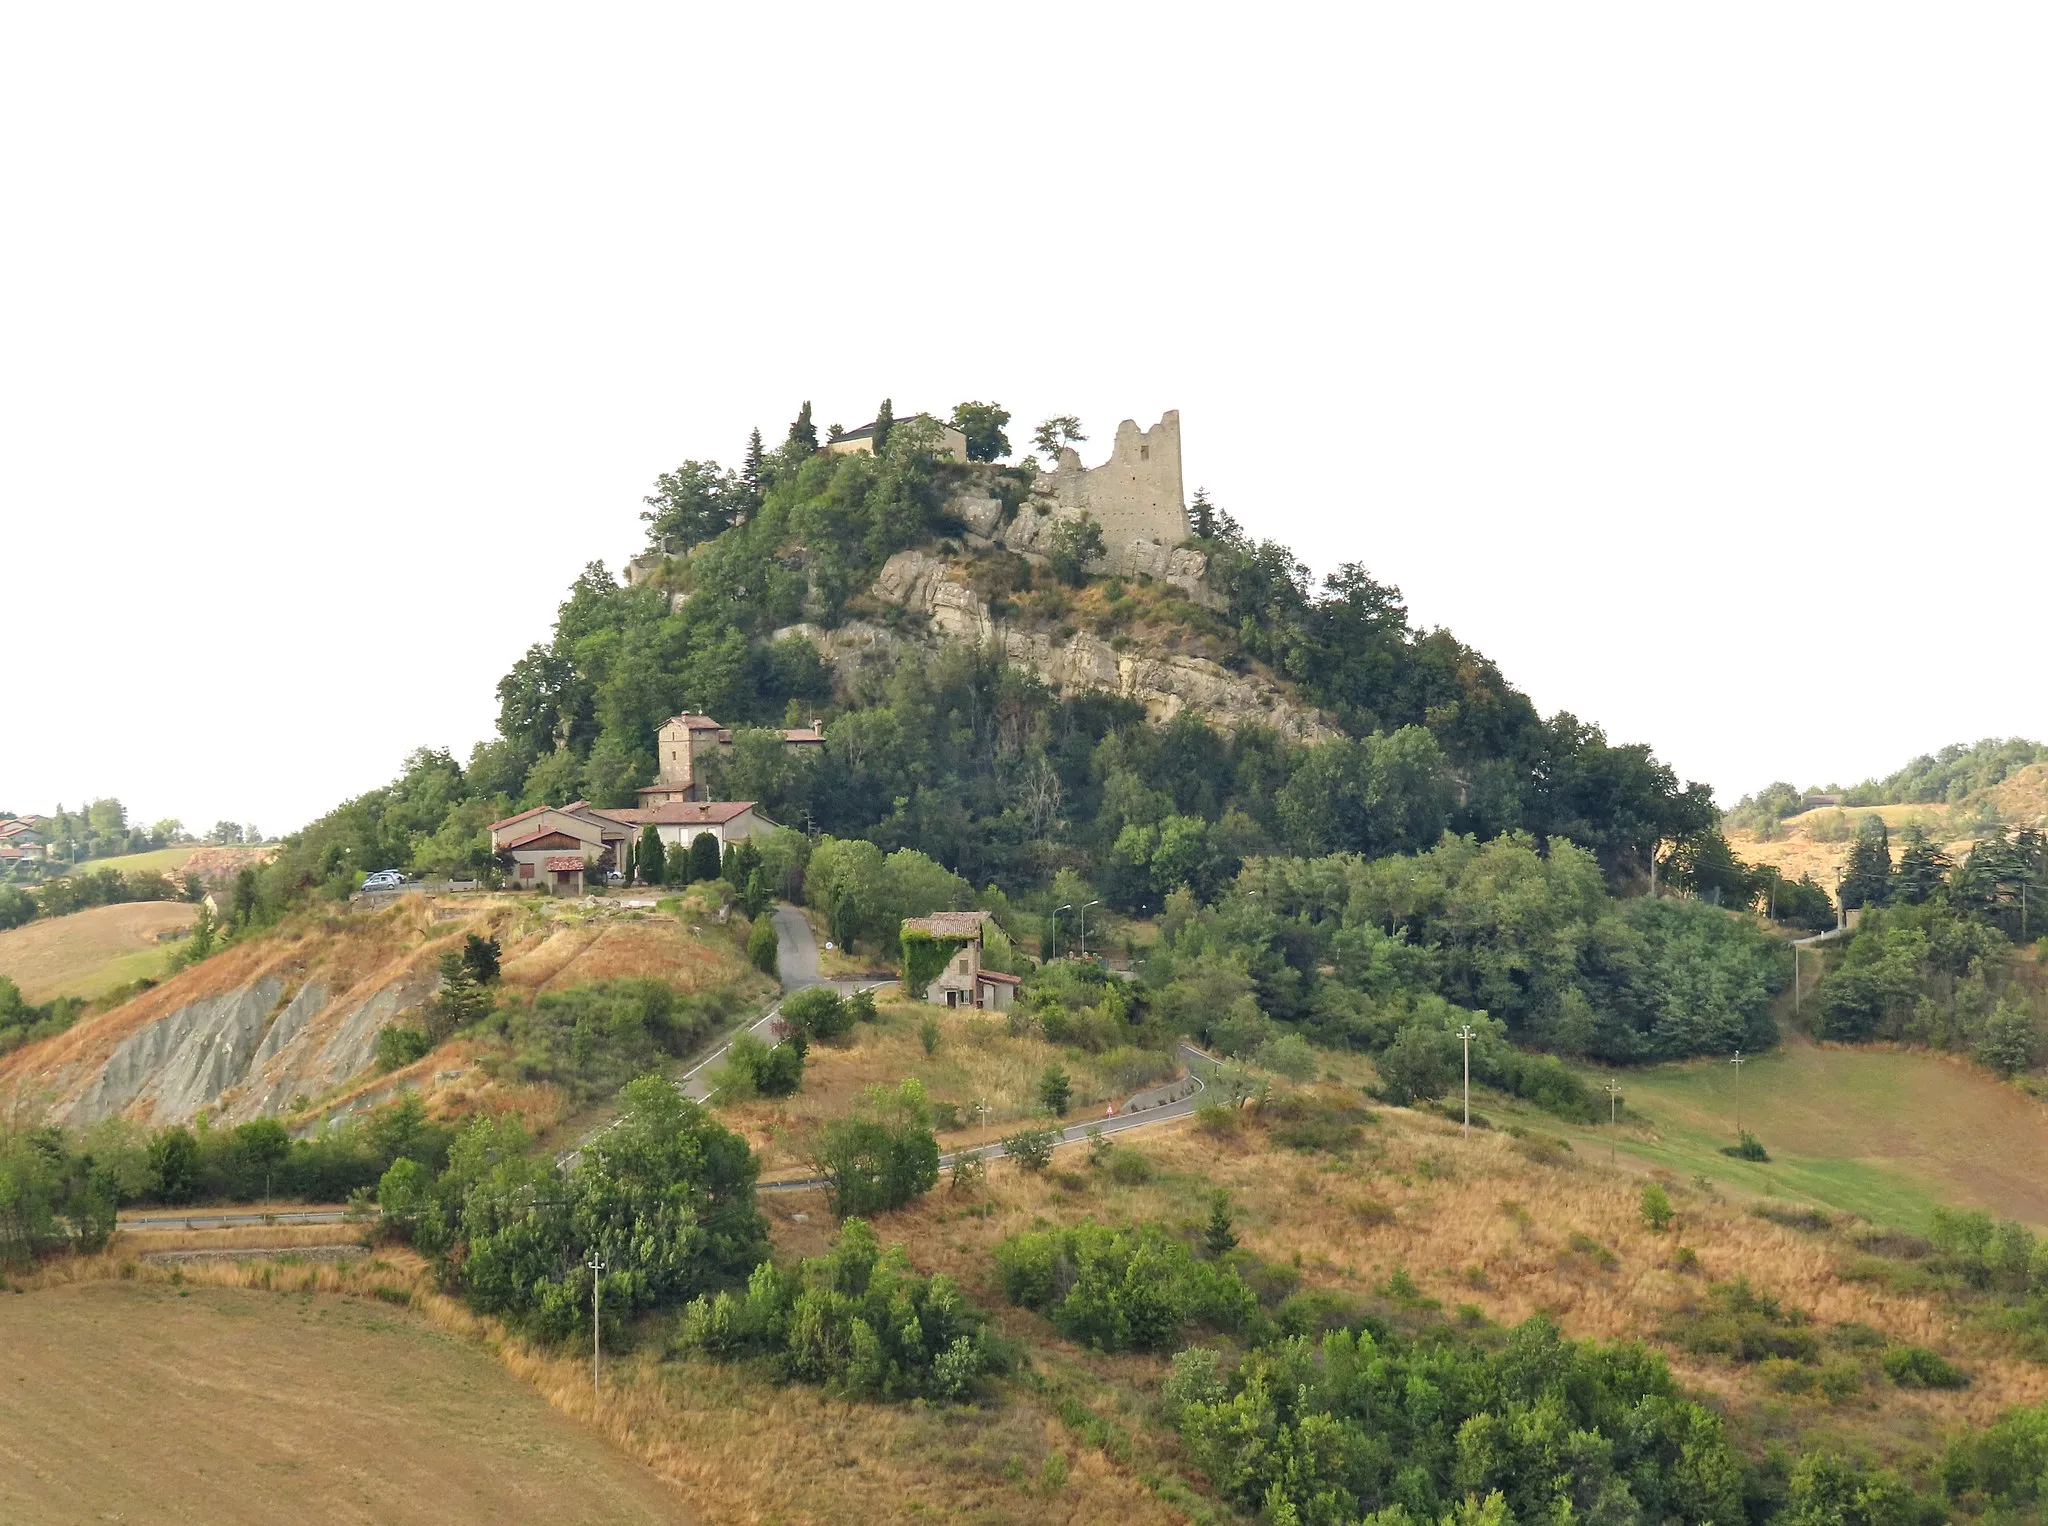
385, 879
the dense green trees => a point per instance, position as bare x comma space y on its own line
1129, 1289
856, 1319
1362, 1421
666, 1202
1356, 949
52, 1196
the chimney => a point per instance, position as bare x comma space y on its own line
817, 723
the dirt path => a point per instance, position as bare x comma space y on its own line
143, 1402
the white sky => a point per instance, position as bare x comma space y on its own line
1688, 362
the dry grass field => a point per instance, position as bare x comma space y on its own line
92, 951
144, 1401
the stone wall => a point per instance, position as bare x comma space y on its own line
1136, 494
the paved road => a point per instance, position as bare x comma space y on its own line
797, 959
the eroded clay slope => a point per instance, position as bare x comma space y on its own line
287, 1016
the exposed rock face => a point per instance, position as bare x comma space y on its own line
1165, 684
1031, 533
240, 1036
183, 1060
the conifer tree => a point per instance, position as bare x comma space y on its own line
1867, 879
653, 856
803, 434
704, 857
885, 421
1203, 514
752, 470
1923, 868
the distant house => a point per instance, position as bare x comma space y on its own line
686, 742
560, 848
23, 838
963, 982
861, 441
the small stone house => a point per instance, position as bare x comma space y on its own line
963, 982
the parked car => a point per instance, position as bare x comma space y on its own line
385, 879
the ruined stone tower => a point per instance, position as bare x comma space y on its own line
1136, 494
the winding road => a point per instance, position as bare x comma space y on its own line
797, 961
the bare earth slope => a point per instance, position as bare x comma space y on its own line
248, 1030
226, 1423
90, 951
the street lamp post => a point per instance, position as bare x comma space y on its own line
1084, 925
1056, 927
1466, 1034
597, 1270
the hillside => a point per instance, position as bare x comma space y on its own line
285, 1023
90, 952
1817, 841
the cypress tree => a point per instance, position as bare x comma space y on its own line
653, 856
803, 434
1203, 514
704, 857
676, 866
885, 421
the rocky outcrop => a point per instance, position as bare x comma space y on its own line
1031, 533
1164, 683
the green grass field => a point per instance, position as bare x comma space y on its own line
1887, 1134
162, 861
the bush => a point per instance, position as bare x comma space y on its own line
856, 1319
1031, 1148
592, 1039
1657, 1211
1130, 1289
398, 1047
762, 947
1917, 1367
1056, 1091
1746, 1147
818, 1011
882, 1156
753, 1069
1128, 1168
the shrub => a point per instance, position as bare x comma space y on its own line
1031, 1148
762, 947
1917, 1367
1657, 1211
1746, 1148
753, 1069
928, 1036
1743, 1325
1128, 1168
1130, 1289
882, 1156
398, 1047
819, 1012
1056, 1091
856, 1319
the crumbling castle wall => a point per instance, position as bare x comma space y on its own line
1136, 494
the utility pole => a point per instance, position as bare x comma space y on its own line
1795, 978
1465, 1033
1737, 1063
597, 1269
1613, 1101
